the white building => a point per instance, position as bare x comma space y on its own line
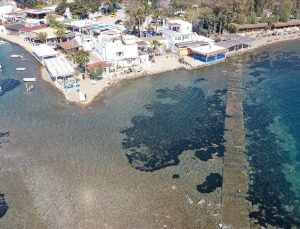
177, 31
7, 7
120, 53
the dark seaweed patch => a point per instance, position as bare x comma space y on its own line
211, 183
199, 80
3, 206
4, 134
192, 122
175, 176
205, 155
255, 73
8, 85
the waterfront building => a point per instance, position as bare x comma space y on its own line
86, 42
58, 67
7, 7
235, 42
285, 25
208, 53
39, 14
69, 46
43, 52
14, 28
250, 28
90, 27
120, 53
177, 31
51, 35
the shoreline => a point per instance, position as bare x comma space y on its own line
160, 66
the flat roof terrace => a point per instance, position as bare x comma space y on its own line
231, 40
43, 51
209, 50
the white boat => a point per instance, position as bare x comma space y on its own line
20, 69
17, 56
2, 42
0, 67
29, 79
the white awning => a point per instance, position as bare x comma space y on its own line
208, 49
44, 51
59, 67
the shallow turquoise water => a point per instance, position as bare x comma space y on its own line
272, 111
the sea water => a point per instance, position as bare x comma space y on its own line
142, 156
149, 153
272, 113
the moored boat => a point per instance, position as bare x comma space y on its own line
20, 69
16, 56
29, 79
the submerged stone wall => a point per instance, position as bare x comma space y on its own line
235, 175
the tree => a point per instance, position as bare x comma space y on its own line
61, 8
79, 8
139, 16
81, 58
113, 4
52, 22
232, 28
155, 45
96, 72
30, 3
157, 14
42, 36
241, 18
285, 9
60, 32
253, 18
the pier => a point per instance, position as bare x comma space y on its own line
235, 175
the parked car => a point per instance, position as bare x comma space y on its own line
117, 22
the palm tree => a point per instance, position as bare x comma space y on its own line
81, 58
155, 45
157, 14
139, 15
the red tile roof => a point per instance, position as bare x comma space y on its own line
31, 29
69, 44
98, 64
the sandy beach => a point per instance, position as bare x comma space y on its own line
94, 89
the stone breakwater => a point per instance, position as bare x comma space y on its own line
235, 175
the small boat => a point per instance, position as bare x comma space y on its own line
29, 79
17, 56
20, 69
2, 42
0, 67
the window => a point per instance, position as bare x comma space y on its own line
186, 37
